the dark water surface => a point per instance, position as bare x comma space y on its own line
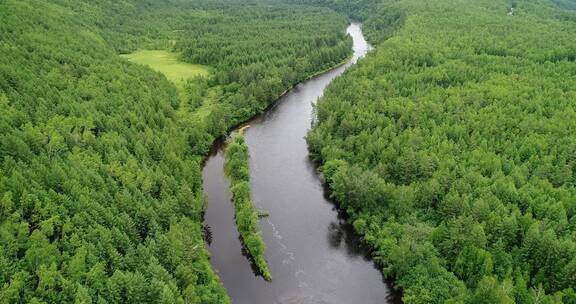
314, 255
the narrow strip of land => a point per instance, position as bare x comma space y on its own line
246, 215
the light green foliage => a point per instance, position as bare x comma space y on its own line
168, 64
237, 168
452, 148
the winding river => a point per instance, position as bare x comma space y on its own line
314, 255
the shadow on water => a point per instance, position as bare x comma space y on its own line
341, 234
312, 250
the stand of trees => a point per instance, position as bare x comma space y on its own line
100, 186
257, 50
452, 148
237, 168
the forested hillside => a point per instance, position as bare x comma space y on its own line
452, 148
100, 187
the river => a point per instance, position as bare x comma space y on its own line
313, 254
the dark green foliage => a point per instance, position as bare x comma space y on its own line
100, 185
452, 147
355, 9
237, 168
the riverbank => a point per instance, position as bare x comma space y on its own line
218, 142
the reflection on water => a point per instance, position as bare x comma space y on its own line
207, 234
313, 253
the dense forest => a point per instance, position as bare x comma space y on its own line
452, 148
238, 169
100, 186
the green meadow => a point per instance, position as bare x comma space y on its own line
168, 64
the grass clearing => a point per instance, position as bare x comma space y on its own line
168, 64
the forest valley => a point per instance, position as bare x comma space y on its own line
451, 146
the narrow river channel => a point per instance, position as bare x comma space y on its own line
314, 255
